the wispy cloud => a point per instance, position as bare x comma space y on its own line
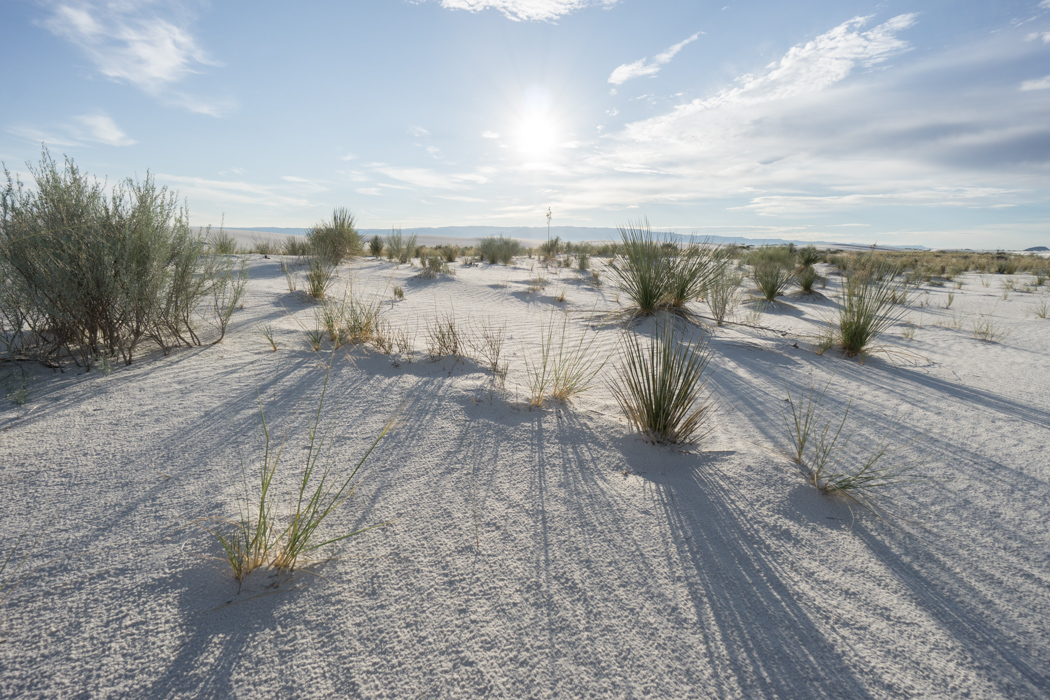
431, 179
644, 66
1038, 84
237, 192
527, 10
129, 42
83, 129
489, 135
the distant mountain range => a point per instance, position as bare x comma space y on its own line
567, 233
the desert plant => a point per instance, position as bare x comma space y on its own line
258, 538
222, 243
448, 253
771, 274
807, 256
399, 293
498, 249
642, 272
549, 250
289, 276
432, 265
807, 277
690, 272
722, 293
265, 246
443, 337
95, 274
337, 238
375, 246
583, 261
988, 329
660, 388
298, 246
1042, 308
818, 447
866, 310
268, 332
227, 292
564, 369
320, 273
486, 343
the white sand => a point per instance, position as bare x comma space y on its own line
606, 566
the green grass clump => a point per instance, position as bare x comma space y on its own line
498, 249
819, 447
660, 386
222, 243
657, 273
259, 537
298, 246
866, 310
433, 265
400, 249
320, 273
771, 270
721, 293
807, 277
564, 369
337, 238
375, 246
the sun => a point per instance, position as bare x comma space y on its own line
537, 136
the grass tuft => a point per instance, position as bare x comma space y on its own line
565, 369
660, 385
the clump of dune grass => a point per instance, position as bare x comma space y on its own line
486, 343
866, 310
320, 273
268, 332
432, 265
988, 329
642, 271
820, 449
260, 537
1041, 308
657, 273
222, 243
265, 246
400, 249
449, 253
721, 293
565, 368
771, 271
550, 249
807, 256
290, 277
375, 246
336, 238
498, 249
443, 337
660, 385
297, 246
806, 278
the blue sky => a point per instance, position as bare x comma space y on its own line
897, 122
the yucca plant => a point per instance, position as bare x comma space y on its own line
771, 275
642, 271
498, 249
222, 243
866, 310
320, 273
690, 272
660, 386
807, 277
375, 246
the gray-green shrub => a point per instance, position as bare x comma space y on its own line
86, 274
498, 249
337, 238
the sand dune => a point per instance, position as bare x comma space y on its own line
540, 552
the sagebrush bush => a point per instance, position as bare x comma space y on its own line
87, 275
337, 238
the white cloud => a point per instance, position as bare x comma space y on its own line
129, 44
84, 129
1038, 84
527, 10
102, 129
426, 178
348, 157
418, 131
235, 192
489, 135
643, 66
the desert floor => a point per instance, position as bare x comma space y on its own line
540, 552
